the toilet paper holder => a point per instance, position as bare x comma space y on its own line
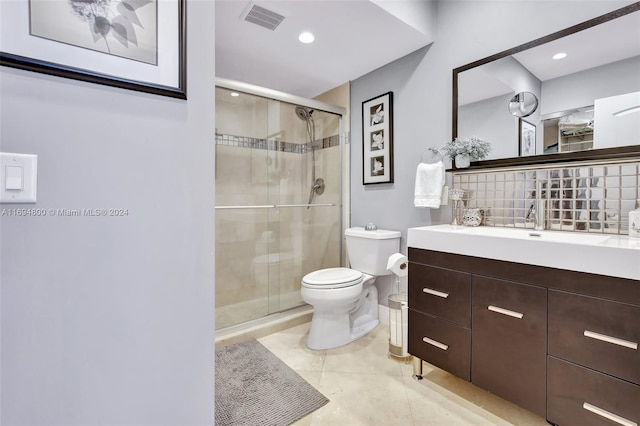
398, 264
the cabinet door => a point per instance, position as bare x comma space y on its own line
509, 341
441, 343
596, 333
579, 396
441, 292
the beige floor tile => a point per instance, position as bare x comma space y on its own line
367, 355
431, 405
366, 387
289, 345
362, 399
469, 397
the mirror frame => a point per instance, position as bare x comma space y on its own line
593, 154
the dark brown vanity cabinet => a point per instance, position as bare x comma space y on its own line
585, 397
509, 341
594, 361
562, 344
440, 318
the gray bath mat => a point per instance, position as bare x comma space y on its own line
253, 387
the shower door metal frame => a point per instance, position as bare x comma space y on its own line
280, 96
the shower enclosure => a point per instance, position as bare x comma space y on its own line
278, 198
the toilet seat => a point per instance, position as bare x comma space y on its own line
332, 278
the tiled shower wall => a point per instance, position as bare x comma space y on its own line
274, 144
583, 197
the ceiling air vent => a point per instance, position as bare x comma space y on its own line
263, 17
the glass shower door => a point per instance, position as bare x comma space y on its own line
268, 235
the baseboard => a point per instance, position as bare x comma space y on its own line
383, 314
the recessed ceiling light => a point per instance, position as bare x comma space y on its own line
234, 94
560, 55
306, 37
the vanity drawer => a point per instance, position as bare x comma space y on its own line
509, 341
441, 292
583, 397
596, 333
441, 343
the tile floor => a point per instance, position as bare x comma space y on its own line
365, 387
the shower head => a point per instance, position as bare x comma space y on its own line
304, 113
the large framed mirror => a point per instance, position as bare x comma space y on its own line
587, 103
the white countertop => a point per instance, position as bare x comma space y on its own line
614, 255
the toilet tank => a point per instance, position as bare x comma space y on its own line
369, 251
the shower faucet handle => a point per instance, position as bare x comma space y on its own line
370, 227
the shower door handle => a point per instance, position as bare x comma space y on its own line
272, 206
266, 206
278, 206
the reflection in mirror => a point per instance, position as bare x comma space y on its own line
588, 100
568, 131
523, 104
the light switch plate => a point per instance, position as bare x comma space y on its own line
29, 165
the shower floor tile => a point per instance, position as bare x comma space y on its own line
365, 387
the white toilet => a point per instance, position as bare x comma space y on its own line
345, 301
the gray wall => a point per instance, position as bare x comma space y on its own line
110, 320
580, 89
489, 120
421, 85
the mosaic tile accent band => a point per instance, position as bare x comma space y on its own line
275, 145
586, 197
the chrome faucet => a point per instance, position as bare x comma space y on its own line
531, 213
539, 209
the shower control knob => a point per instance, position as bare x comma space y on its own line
370, 227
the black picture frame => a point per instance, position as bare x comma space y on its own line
377, 140
526, 138
12, 56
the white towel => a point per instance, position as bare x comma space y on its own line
429, 183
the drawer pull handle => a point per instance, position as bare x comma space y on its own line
505, 312
608, 415
435, 292
609, 339
435, 343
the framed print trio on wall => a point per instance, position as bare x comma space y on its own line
133, 44
377, 139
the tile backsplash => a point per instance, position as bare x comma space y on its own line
584, 197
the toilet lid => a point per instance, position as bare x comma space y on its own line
332, 278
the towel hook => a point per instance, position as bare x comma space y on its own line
434, 156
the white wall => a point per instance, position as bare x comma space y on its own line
615, 129
110, 320
421, 82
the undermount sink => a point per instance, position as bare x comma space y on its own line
614, 255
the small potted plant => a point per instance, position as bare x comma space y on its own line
464, 150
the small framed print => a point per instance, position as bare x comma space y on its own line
527, 138
377, 140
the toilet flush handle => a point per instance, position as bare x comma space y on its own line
370, 227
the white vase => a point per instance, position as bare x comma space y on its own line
463, 161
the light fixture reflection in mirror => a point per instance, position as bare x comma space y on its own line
523, 104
